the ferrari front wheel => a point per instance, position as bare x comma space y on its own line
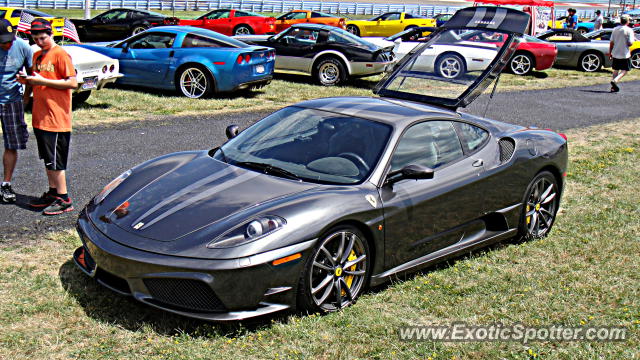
541, 202
337, 271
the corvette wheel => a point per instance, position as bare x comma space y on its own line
590, 62
138, 29
540, 207
195, 82
353, 29
583, 30
635, 59
521, 64
242, 30
450, 66
337, 272
329, 72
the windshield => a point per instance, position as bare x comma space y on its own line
310, 144
449, 64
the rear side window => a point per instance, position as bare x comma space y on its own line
472, 137
197, 41
431, 144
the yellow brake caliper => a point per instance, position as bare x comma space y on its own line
349, 278
528, 217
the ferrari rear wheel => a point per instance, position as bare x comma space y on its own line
635, 59
353, 29
541, 202
329, 71
337, 272
590, 62
194, 82
450, 66
242, 30
521, 64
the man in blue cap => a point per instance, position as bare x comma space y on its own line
15, 54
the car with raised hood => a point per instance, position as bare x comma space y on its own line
577, 51
285, 21
388, 24
311, 205
230, 22
196, 62
531, 54
327, 53
117, 24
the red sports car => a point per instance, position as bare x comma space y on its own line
306, 16
230, 22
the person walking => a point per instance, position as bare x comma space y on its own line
15, 55
52, 81
597, 23
622, 38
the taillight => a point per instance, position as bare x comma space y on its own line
104, 69
112, 67
562, 135
247, 58
240, 59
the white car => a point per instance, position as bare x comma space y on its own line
93, 70
452, 56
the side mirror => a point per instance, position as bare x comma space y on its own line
125, 47
232, 131
414, 172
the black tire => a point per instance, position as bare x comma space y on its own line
590, 62
539, 208
582, 30
353, 29
522, 64
242, 30
336, 285
80, 98
137, 29
635, 59
329, 71
194, 81
450, 66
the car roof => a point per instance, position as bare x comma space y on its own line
315, 26
386, 110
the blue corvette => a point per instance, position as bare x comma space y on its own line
196, 62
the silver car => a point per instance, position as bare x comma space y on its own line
576, 50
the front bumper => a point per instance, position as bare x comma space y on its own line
218, 290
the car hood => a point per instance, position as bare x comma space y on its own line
441, 75
195, 194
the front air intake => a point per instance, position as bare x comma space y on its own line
507, 147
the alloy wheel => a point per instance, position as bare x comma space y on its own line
541, 207
138, 30
635, 60
193, 83
521, 64
338, 271
242, 30
590, 62
450, 68
329, 73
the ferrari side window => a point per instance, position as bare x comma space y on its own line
431, 144
472, 137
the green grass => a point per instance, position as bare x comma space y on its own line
587, 272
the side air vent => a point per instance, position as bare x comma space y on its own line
507, 147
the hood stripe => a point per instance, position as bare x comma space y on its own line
477, 16
238, 180
184, 191
498, 18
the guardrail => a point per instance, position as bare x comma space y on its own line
269, 6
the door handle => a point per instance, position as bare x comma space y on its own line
478, 163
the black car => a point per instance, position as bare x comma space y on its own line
117, 24
328, 53
319, 200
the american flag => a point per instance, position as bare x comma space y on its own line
70, 31
24, 24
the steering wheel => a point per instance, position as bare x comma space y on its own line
362, 165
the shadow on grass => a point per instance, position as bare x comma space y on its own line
109, 307
354, 82
245, 93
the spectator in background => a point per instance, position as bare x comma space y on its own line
572, 19
15, 55
52, 80
621, 39
597, 23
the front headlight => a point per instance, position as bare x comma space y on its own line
248, 232
111, 186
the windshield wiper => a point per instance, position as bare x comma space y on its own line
269, 169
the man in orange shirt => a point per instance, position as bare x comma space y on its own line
52, 82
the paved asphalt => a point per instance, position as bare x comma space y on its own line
101, 153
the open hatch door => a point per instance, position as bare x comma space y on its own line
460, 60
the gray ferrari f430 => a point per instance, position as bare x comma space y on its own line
318, 201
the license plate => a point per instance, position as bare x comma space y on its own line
259, 69
90, 83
